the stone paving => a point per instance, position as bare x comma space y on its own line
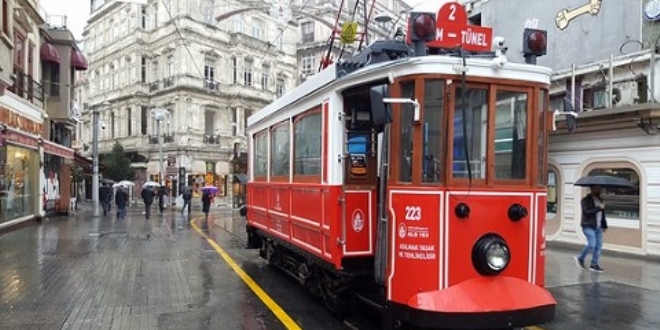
82, 273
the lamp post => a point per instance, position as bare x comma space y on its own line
159, 114
96, 211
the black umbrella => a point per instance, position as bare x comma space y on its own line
604, 181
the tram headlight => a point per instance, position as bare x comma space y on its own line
491, 255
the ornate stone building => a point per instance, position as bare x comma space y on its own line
209, 75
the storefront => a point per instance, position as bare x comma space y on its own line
19, 179
56, 178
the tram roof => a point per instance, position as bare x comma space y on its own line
330, 78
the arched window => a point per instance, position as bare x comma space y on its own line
554, 195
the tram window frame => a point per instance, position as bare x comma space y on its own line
529, 140
262, 136
439, 105
542, 106
280, 176
405, 110
451, 114
314, 177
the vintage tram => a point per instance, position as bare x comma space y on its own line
413, 180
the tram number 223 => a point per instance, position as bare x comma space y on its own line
413, 213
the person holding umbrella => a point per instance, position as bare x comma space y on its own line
593, 225
594, 222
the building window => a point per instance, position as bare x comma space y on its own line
143, 69
238, 23
257, 28
308, 64
209, 11
6, 17
307, 29
209, 70
155, 15
112, 125
307, 145
279, 86
280, 39
247, 73
552, 204
279, 146
129, 122
510, 135
265, 74
209, 122
154, 71
621, 205
144, 120
234, 68
170, 66
234, 121
143, 17
260, 163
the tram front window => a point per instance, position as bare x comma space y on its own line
476, 125
432, 135
510, 135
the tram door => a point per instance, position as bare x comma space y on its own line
360, 174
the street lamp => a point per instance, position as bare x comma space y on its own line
96, 211
160, 114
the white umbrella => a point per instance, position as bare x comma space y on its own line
151, 184
123, 183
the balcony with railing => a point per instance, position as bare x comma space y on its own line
28, 88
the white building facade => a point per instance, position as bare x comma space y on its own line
209, 74
316, 21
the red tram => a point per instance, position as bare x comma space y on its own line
413, 180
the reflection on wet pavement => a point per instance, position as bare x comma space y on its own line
129, 273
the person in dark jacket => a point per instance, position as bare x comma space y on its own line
121, 199
594, 225
161, 199
187, 197
206, 206
148, 195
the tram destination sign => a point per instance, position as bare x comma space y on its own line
453, 30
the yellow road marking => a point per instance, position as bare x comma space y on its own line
288, 322
533, 328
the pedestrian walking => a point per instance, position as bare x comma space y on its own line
121, 199
187, 197
105, 197
206, 206
593, 225
148, 195
161, 199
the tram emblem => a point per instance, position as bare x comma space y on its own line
403, 230
358, 220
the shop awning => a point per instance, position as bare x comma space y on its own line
241, 177
49, 53
78, 60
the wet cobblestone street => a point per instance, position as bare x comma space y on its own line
134, 273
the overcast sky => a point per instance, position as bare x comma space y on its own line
77, 11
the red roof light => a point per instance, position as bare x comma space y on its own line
424, 26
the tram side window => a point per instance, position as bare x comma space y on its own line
307, 145
476, 122
279, 146
510, 135
432, 163
260, 164
406, 135
542, 133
